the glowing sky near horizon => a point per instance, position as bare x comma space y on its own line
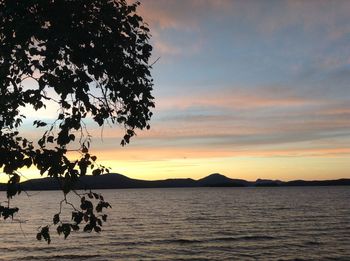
250, 89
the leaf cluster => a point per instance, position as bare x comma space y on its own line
7, 212
91, 59
88, 216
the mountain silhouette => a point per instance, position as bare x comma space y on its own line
118, 181
268, 183
219, 180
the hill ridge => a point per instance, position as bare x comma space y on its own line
120, 181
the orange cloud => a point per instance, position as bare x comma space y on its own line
188, 152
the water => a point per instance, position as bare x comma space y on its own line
306, 223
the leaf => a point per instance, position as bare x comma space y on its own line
75, 227
72, 137
99, 207
97, 229
66, 230
85, 150
88, 228
56, 219
59, 230
45, 233
96, 172
77, 217
39, 123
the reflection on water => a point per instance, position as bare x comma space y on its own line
194, 223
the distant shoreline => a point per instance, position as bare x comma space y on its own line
118, 181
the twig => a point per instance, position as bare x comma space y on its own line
155, 61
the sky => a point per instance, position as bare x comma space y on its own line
249, 89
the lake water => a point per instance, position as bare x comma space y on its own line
304, 223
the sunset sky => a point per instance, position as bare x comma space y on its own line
249, 89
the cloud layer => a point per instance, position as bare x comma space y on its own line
253, 88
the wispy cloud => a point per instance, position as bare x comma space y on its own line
230, 99
166, 153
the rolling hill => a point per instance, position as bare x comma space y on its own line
118, 181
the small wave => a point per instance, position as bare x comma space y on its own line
187, 241
312, 243
200, 218
292, 259
216, 239
257, 238
176, 241
60, 257
282, 208
243, 238
32, 249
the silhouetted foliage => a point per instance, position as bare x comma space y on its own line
91, 57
